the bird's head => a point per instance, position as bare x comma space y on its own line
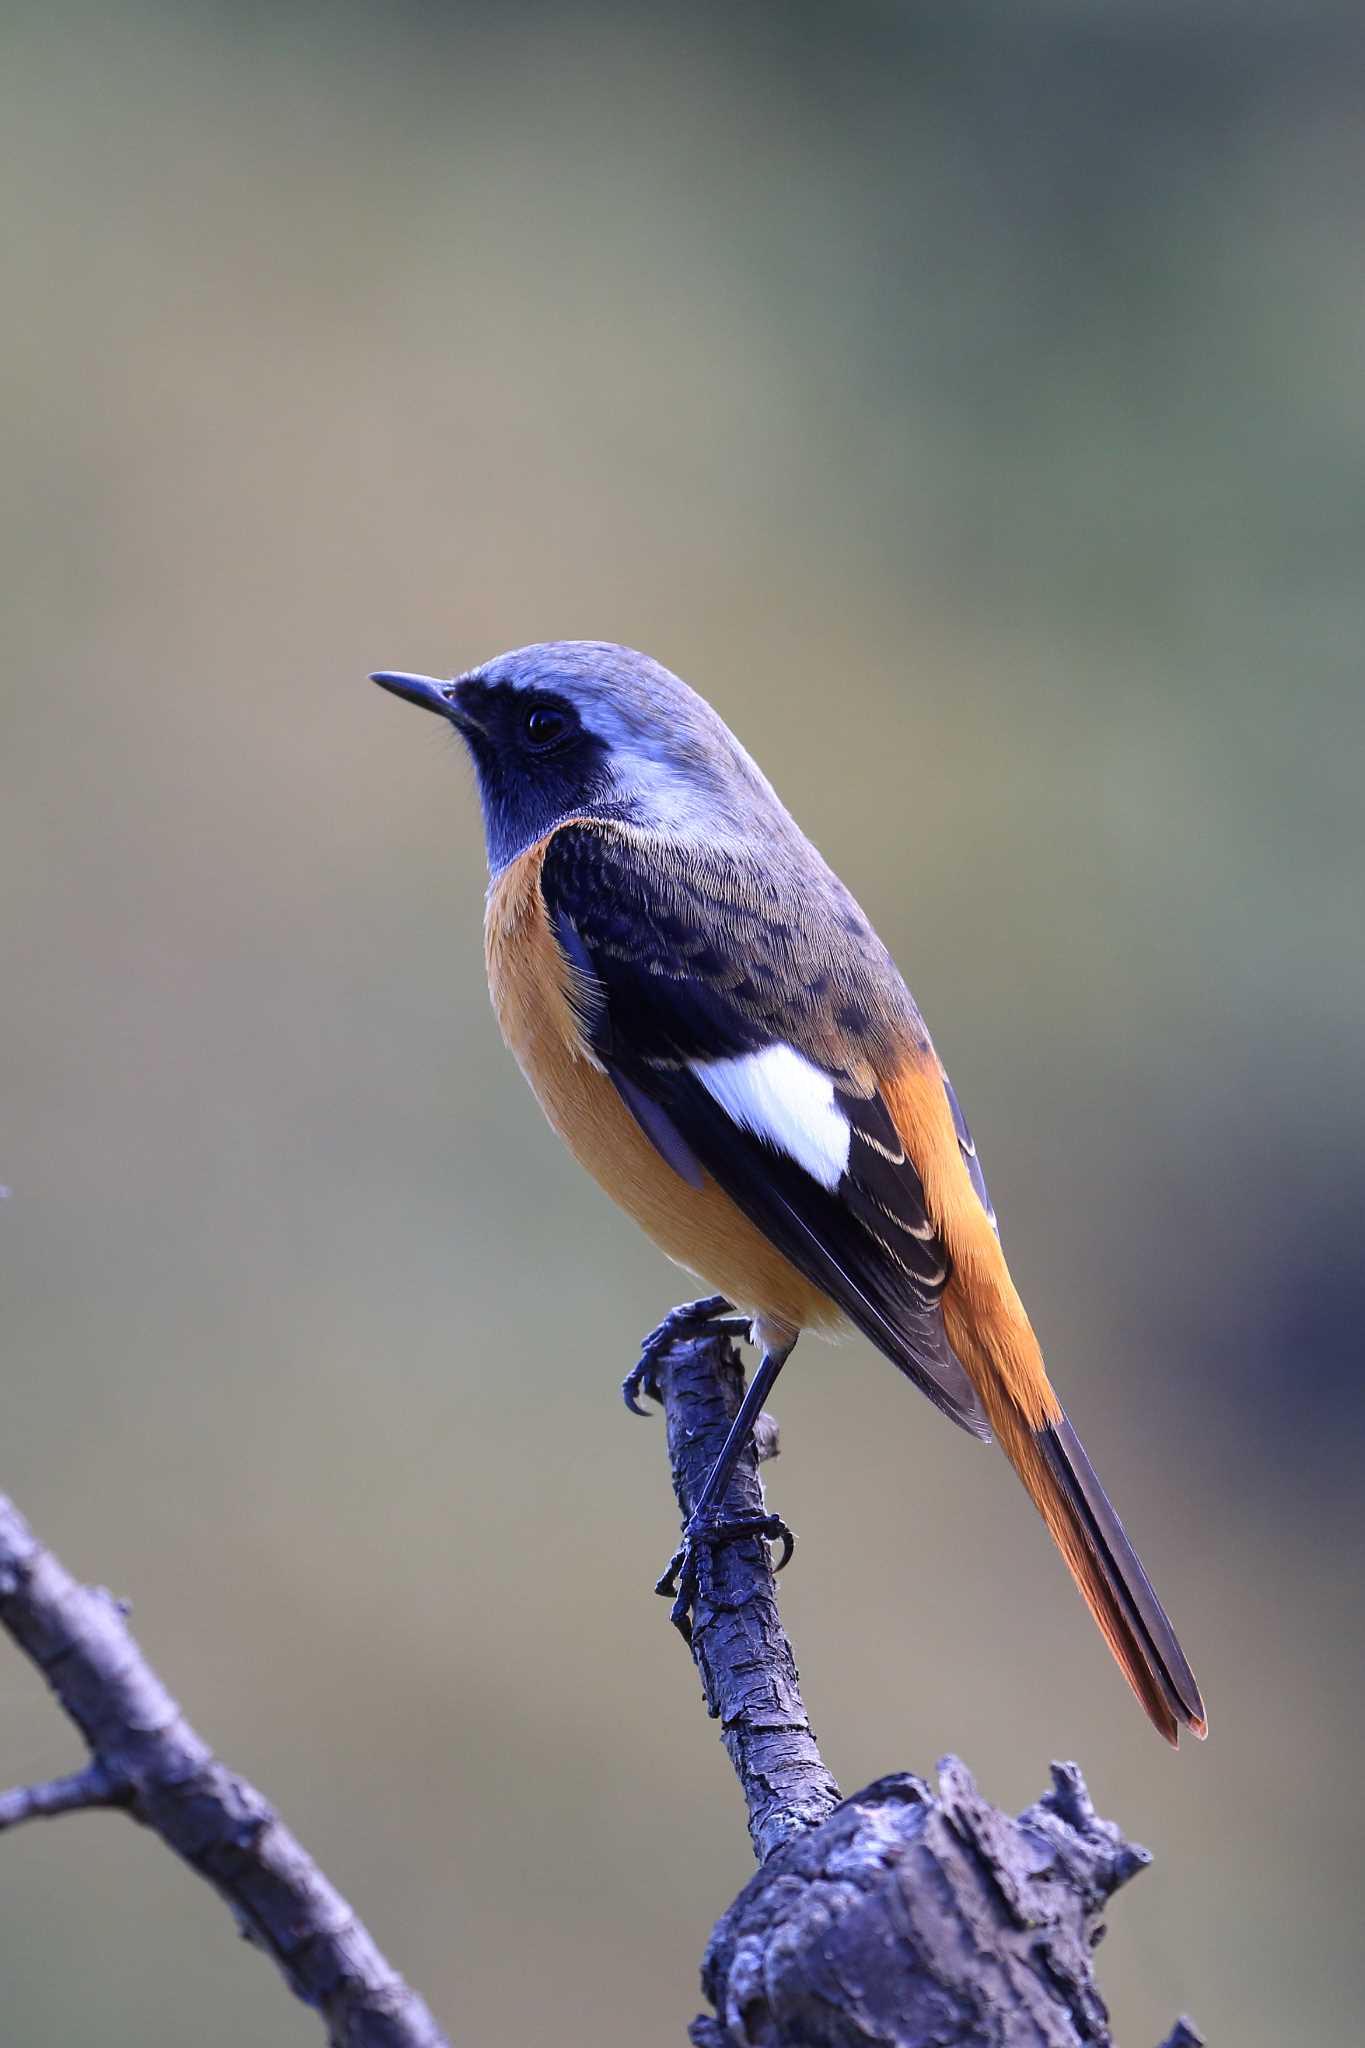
583, 728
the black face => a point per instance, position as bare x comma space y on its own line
536, 762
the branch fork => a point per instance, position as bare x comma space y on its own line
147, 1760
899, 1918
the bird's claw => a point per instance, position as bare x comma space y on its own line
711, 1316
687, 1576
642, 1378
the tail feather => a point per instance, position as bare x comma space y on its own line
990, 1334
1073, 1470
1053, 1465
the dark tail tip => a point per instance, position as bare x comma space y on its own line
1145, 1619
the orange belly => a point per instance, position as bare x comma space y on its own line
700, 1229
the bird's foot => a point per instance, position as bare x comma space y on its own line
688, 1577
712, 1316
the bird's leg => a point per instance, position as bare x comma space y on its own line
707, 1525
712, 1316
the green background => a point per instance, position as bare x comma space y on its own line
969, 401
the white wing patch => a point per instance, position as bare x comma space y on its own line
781, 1097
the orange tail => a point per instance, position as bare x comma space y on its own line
992, 1336
1054, 1467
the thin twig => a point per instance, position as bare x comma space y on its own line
146, 1758
79, 1792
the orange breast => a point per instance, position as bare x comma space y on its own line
701, 1229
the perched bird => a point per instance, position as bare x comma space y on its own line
713, 1027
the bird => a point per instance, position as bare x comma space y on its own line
710, 1022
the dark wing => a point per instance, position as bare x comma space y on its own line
967, 1147
669, 1009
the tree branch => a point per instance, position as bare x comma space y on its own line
899, 1918
146, 1758
82, 1791
747, 1670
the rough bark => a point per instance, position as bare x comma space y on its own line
748, 1673
897, 1918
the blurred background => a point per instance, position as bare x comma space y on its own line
972, 407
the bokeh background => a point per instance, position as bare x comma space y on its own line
968, 400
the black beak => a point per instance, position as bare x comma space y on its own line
423, 690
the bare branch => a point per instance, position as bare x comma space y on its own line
146, 1758
748, 1673
78, 1793
901, 1917
895, 1919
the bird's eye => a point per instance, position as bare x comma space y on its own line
545, 726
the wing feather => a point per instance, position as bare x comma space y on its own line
661, 1001
967, 1147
